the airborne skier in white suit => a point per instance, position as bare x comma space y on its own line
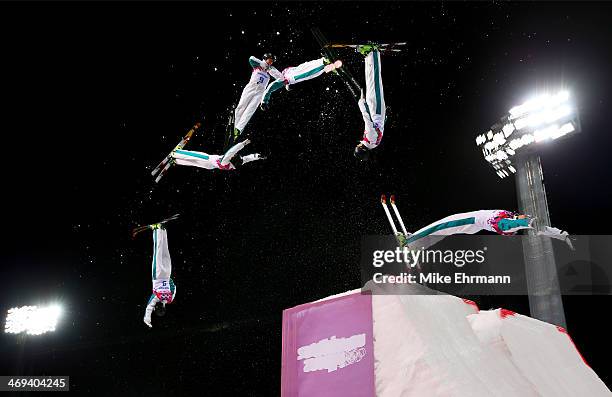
372, 107
164, 289
253, 91
214, 161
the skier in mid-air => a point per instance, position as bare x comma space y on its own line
296, 74
164, 289
253, 91
372, 106
227, 161
499, 221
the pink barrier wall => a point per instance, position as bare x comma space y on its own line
328, 348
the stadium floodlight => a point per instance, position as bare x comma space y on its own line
510, 147
544, 118
32, 320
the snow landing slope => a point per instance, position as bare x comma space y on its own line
442, 345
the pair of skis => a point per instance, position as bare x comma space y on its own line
140, 229
399, 236
382, 47
396, 233
343, 72
168, 161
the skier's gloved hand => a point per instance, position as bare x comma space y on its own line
264, 106
147, 320
251, 157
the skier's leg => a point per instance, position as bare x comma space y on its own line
305, 71
273, 86
249, 106
248, 112
242, 104
375, 97
161, 266
193, 159
227, 157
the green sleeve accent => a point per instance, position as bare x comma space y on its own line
274, 86
254, 62
441, 226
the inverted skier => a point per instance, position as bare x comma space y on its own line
226, 162
164, 289
297, 74
372, 106
254, 91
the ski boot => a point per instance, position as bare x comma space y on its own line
365, 49
235, 134
156, 226
401, 239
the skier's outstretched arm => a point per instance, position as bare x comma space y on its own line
365, 113
149, 309
256, 62
275, 73
229, 155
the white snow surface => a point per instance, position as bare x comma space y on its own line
442, 345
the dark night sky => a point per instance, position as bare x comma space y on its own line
96, 94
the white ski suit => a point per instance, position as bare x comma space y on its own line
253, 91
372, 107
213, 161
164, 289
498, 221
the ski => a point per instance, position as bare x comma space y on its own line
166, 163
399, 235
164, 170
399, 217
383, 201
343, 72
382, 47
229, 131
139, 229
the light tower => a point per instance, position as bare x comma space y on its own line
511, 147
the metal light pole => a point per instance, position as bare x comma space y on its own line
545, 301
510, 146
